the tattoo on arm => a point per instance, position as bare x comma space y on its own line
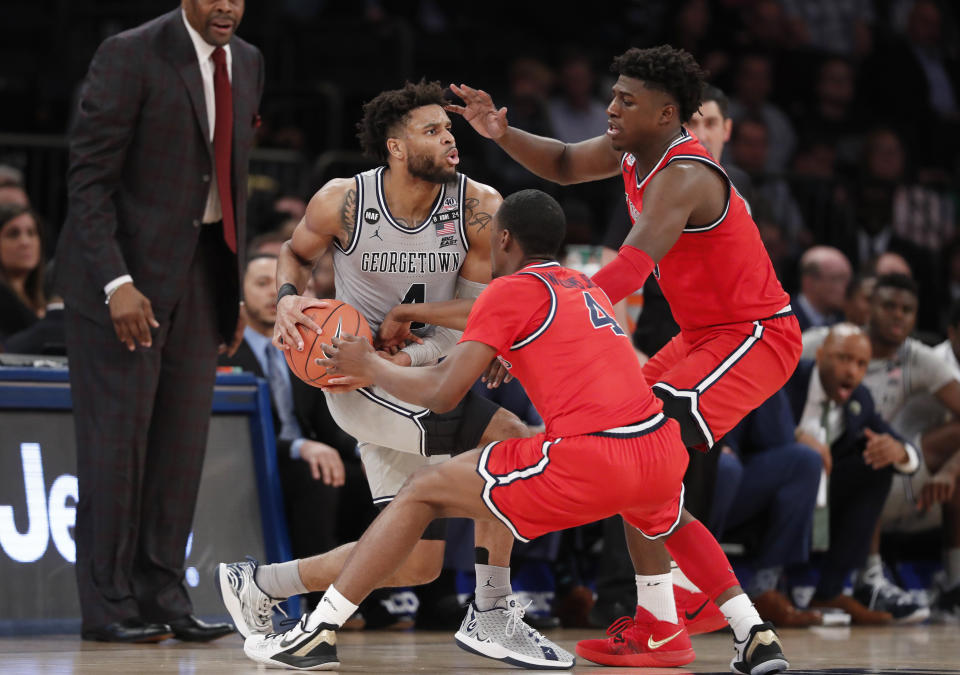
348, 216
475, 217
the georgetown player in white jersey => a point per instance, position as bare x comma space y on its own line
413, 230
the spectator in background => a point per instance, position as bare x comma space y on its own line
927, 75
874, 200
753, 86
11, 186
530, 83
920, 215
576, 113
149, 269
22, 299
889, 263
712, 125
47, 336
750, 147
779, 477
856, 310
312, 450
829, 402
832, 26
824, 275
831, 118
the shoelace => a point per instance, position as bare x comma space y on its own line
886, 589
264, 609
515, 618
620, 625
287, 623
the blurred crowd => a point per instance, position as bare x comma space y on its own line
837, 120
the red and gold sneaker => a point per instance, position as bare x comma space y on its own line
641, 641
697, 612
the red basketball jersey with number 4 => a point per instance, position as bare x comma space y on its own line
555, 330
715, 273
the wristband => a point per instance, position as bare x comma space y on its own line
286, 289
624, 274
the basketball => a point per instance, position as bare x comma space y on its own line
337, 319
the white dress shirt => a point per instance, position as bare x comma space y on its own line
810, 422
212, 212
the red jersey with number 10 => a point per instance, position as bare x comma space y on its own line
716, 273
555, 331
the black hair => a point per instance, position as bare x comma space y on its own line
715, 94
257, 256
855, 283
535, 220
953, 316
898, 281
666, 69
389, 109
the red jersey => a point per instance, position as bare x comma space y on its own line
717, 273
555, 331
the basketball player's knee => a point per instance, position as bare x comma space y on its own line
426, 565
422, 487
505, 425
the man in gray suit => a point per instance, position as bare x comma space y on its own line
148, 267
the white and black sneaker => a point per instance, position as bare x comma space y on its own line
502, 634
879, 593
296, 649
250, 608
760, 653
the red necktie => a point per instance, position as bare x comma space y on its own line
223, 142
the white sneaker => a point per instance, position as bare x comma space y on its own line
296, 649
250, 608
501, 634
760, 653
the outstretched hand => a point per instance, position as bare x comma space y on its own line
348, 357
479, 111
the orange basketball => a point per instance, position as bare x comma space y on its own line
337, 319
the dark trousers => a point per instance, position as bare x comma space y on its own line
857, 494
779, 484
141, 426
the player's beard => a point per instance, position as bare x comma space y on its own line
428, 169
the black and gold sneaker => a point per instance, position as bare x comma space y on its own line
760, 653
299, 648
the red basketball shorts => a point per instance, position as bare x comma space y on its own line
538, 485
709, 380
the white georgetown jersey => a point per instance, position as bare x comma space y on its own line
387, 264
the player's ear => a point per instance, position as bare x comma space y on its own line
395, 147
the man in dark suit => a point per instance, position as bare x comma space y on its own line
836, 416
824, 275
315, 457
149, 273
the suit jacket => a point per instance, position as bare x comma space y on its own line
804, 319
141, 165
309, 407
859, 412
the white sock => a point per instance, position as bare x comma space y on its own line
655, 594
953, 567
871, 572
280, 580
741, 615
680, 579
333, 608
493, 583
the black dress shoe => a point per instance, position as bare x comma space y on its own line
129, 630
192, 629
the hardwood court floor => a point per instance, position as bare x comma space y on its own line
903, 650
